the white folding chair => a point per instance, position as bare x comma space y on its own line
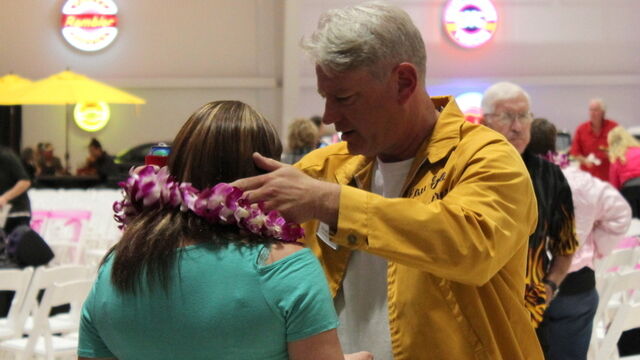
41, 341
634, 228
17, 281
623, 289
619, 261
42, 279
627, 317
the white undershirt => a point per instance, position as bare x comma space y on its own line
362, 301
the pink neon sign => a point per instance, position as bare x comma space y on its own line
470, 23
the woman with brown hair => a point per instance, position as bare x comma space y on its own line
303, 138
201, 274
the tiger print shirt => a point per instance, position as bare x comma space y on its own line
554, 234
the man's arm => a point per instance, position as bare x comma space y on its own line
558, 270
612, 220
297, 196
467, 236
20, 187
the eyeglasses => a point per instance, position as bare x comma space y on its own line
508, 118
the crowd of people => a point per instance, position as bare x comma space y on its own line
418, 236
42, 162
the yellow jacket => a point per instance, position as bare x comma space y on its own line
456, 243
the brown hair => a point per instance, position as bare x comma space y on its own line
303, 135
543, 137
214, 145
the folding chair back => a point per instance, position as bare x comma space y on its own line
17, 281
621, 290
43, 278
41, 340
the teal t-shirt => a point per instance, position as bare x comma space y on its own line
222, 303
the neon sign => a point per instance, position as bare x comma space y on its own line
89, 25
91, 116
470, 23
470, 105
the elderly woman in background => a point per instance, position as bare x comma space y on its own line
303, 137
624, 172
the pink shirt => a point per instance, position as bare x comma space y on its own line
602, 217
620, 173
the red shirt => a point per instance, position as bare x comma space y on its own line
586, 142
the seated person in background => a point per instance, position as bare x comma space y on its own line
49, 164
624, 172
98, 162
303, 137
28, 158
602, 219
200, 274
589, 145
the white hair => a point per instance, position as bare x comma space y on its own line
374, 35
600, 102
499, 92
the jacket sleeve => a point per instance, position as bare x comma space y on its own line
613, 218
466, 237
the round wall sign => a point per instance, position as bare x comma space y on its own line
91, 116
89, 25
470, 105
470, 23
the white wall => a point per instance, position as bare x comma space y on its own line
180, 54
563, 52
175, 54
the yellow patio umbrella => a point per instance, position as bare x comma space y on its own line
68, 88
10, 85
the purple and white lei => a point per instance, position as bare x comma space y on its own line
222, 204
562, 160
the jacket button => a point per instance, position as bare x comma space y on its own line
352, 239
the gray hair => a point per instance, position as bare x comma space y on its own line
600, 102
499, 92
374, 35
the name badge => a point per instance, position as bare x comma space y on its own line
323, 234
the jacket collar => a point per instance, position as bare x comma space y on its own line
444, 137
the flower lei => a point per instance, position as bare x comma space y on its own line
559, 159
222, 204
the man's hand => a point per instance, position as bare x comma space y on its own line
362, 355
297, 196
3, 201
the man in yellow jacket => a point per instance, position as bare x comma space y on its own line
420, 219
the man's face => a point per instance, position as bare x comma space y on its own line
595, 113
512, 119
364, 109
94, 152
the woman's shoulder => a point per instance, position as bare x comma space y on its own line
280, 251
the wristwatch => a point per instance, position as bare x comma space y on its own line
553, 286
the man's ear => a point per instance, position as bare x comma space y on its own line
407, 77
